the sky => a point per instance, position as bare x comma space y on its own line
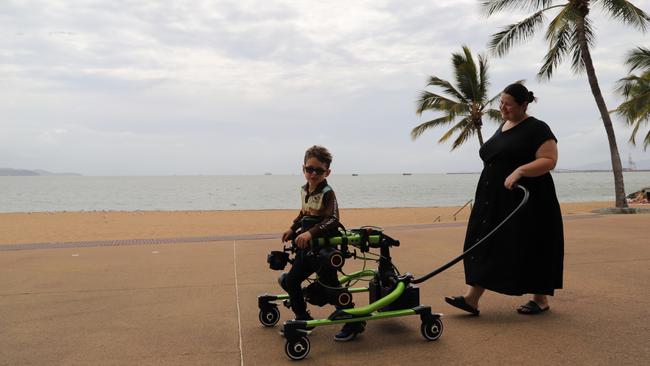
165, 87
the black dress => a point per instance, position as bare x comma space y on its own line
526, 254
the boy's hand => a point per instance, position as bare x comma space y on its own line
302, 241
287, 235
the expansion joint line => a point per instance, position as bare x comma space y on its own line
241, 350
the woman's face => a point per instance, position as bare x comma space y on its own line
510, 109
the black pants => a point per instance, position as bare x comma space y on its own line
304, 265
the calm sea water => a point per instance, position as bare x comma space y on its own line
77, 193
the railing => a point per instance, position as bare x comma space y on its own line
460, 209
437, 219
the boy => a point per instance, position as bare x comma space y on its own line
319, 217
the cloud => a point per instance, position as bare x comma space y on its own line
215, 87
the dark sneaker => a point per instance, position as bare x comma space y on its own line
349, 331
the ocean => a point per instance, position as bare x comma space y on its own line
250, 192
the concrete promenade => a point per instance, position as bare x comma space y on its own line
192, 302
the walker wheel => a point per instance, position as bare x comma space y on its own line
297, 349
432, 330
269, 316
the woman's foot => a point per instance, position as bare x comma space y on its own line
538, 304
462, 303
468, 302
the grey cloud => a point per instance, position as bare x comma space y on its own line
175, 87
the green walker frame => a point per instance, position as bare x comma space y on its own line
391, 295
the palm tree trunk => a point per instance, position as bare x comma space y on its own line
617, 168
480, 135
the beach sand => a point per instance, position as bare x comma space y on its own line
191, 302
45, 227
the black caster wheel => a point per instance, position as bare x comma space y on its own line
432, 330
297, 349
269, 316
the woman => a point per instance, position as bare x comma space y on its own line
525, 256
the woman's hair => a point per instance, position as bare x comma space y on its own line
319, 152
520, 93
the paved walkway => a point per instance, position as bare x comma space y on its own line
194, 303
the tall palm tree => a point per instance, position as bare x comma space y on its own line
570, 33
466, 103
636, 91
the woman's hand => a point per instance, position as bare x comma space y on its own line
302, 241
512, 179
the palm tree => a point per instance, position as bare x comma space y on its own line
466, 103
636, 91
570, 33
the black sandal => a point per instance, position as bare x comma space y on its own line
531, 308
459, 302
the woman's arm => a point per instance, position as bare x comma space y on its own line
545, 160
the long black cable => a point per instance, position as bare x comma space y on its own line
460, 257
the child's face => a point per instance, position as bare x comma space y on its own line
315, 171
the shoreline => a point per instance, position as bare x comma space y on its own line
599, 203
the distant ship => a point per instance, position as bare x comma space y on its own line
406, 173
355, 174
267, 173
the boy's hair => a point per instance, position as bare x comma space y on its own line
319, 152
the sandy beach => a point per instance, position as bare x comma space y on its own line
47, 227
193, 300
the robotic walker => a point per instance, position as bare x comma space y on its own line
390, 294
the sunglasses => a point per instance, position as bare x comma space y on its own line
312, 170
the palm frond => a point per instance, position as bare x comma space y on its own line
515, 33
465, 73
433, 101
494, 115
577, 62
628, 13
625, 85
483, 80
458, 126
421, 128
447, 87
635, 130
638, 58
462, 125
461, 108
464, 135
495, 6
636, 107
566, 15
559, 36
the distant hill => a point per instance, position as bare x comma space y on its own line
606, 165
9, 172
